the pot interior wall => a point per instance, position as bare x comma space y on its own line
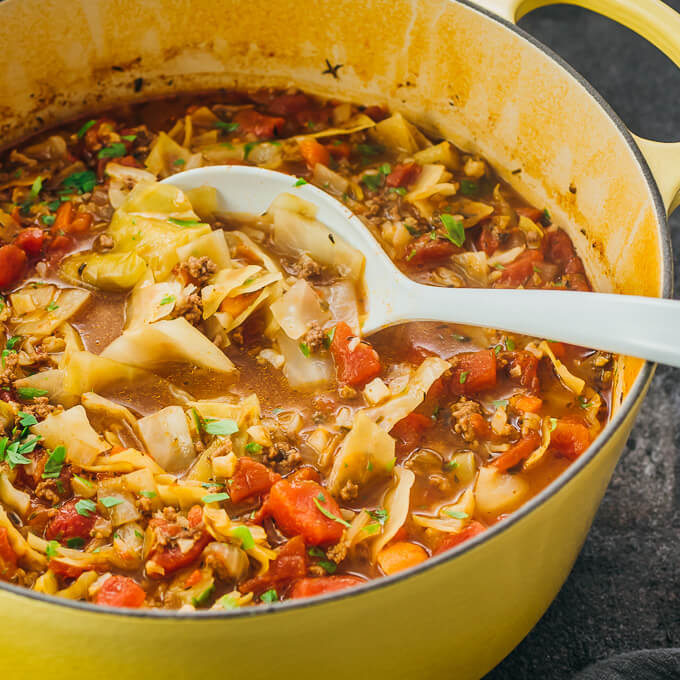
447, 66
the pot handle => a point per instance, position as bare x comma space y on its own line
656, 22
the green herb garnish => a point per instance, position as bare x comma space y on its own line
76, 542
223, 427
85, 128
183, 223
246, 538
55, 463
167, 300
215, 497
380, 515
227, 127
203, 597
500, 403
148, 494
85, 507
304, 348
326, 512
300, 182
51, 549
116, 150
253, 447
456, 515
269, 596
455, 231
463, 377
110, 501
468, 187
83, 182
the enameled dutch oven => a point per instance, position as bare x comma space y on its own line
457, 68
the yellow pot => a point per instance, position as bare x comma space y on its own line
470, 75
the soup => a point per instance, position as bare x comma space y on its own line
191, 417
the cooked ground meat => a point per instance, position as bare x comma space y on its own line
349, 492
460, 415
41, 408
198, 269
102, 243
8, 372
306, 267
191, 308
282, 456
315, 338
48, 490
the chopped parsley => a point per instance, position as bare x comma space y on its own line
82, 182
500, 403
269, 596
300, 182
215, 497
85, 128
304, 348
451, 465
36, 188
227, 127
327, 513
228, 602
55, 463
546, 216
148, 494
116, 150
510, 344
455, 231
411, 255
244, 535
253, 447
468, 187
380, 515
85, 507
178, 161
203, 597
27, 419
398, 190
14, 453
48, 220
52, 307
168, 299
373, 182
456, 515
76, 542
183, 223
463, 377
129, 138
110, 501
328, 340
52, 549
82, 480
223, 427
326, 564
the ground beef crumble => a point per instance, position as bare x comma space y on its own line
461, 412
198, 270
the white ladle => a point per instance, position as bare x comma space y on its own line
633, 325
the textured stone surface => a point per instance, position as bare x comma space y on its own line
624, 591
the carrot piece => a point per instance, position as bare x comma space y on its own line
399, 556
193, 578
528, 404
314, 153
518, 452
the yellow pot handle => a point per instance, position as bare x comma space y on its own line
660, 25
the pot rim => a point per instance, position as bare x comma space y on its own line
634, 394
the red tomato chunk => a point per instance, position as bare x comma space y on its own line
570, 438
290, 564
120, 591
356, 362
309, 587
452, 540
69, 523
473, 372
12, 263
251, 479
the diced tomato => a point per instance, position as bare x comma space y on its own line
473, 372
170, 557
559, 249
356, 362
339, 149
376, 113
480, 426
425, 250
251, 479
403, 174
68, 523
296, 509
285, 104
30, 240
314, 153
290, 565
12, 263
570, 438
120, 591
68, 221
409, 431
61, 243
532, 213
526, 364
451, 540
65, 570
519, 270
8, 558
488, 239
309, 587
263, 127
195, 516
303, 473
518, 451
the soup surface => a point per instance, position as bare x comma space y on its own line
190, 418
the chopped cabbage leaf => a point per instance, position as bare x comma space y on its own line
497, 492
212, 245
299, 308
366, 453
42, 322
157, 344
150, 303
303, 372
388, 414
167, 438
72, 430
396, 502
107, 271
396, 132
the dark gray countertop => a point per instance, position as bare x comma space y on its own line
624, 591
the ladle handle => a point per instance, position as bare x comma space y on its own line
643, 327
